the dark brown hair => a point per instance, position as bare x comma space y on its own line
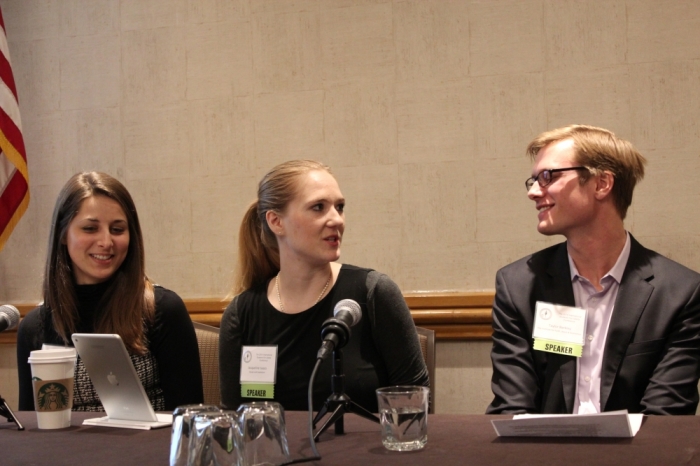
128, 302
258, 253
600, 150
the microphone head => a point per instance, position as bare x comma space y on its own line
350, 306
10, 313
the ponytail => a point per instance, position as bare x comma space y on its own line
258, 256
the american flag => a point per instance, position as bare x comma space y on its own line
14, 177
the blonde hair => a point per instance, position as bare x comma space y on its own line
258, 253
599, 150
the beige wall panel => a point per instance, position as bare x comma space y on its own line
502, 205
360, 125
90, 67
432, 40
152, 14
277, 7
220, 137
667, 199
288, 126
357, 43
598, 97
219, 60
665, 104
506, 37
153, 67
287, 52
435, 122
165, 212
211, 11
663, 30
372, 235
684, 249
92, 141
156, 142
438, 225
89, 17
508, 114
31, 20
217, 204
463, 377
37, 76
214, 276
48, 143
334, 4
584, 35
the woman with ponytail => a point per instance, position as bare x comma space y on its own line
287, 283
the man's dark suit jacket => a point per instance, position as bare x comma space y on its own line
651, 360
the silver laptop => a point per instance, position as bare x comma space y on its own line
112, 373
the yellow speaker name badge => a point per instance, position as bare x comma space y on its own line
559, 329
258, 371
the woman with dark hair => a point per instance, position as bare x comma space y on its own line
95, 282
287, 284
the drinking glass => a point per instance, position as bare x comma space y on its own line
181, 430
403, 412
263, 436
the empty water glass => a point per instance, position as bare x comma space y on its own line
182, 427
214, 440
263, 436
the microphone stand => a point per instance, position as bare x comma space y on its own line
338, 403
6, 412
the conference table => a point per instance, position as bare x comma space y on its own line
452, 439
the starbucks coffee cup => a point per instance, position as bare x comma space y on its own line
52, 379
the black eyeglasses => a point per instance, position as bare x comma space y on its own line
545, 178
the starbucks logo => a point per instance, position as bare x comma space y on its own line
53, 397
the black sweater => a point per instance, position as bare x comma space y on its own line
176, 378
383, 348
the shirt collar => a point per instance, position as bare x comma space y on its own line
617, 270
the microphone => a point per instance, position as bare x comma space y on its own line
9, 317
335, 331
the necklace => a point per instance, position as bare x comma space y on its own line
279, 298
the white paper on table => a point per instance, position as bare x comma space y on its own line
609, 424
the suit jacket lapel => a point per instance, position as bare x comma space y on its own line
560, 291
632, 297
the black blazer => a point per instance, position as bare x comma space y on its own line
651, 361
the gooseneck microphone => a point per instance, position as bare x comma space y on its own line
9, 317
335, 331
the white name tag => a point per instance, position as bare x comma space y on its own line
258, 371
259, 364
559, 329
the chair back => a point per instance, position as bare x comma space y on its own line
208, 342
426, 337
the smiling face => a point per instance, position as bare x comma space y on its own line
565, 206
97, 240
311, 227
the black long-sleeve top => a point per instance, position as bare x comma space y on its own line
170, 371
383, 349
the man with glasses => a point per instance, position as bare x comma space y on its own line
597, 323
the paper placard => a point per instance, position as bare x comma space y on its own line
610, 424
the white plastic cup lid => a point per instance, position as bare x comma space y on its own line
51, 356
